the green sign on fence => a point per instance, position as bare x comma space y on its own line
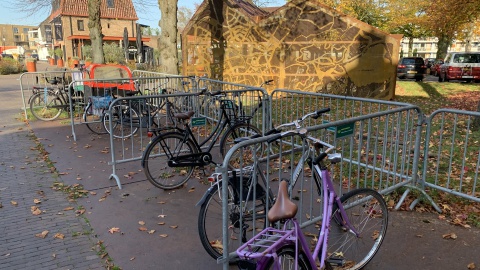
341, 131
198, 121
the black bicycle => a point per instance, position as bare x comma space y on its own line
47, 103
170, 158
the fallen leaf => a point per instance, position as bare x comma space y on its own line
36, 201
93, 193
471, 266
141, 222
162, 216
68, 208
42, 234
161, 202
54, 255
191, 190
114, 230
161, 223
14, 203
450, 236
36, 212
59, 236
132, 258
174, 226
143, 229
151, 231
163, 235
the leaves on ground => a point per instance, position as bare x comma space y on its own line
42, 234
114, 230
59, 236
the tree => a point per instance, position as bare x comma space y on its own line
167, 43
95, 27
447, 20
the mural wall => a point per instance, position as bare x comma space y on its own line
303, 45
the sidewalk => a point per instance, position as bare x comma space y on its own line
37, 229
143, 227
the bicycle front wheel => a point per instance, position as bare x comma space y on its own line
286, 259
245, 220
165, 147
241, 156
46, 106
368, 214
93, 121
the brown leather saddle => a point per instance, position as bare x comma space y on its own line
283, 208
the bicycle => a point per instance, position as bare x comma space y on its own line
48, 103
244, 215
358, 217
170, 158
130, 115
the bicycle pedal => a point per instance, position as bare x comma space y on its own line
337, 261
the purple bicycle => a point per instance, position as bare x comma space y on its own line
352, 229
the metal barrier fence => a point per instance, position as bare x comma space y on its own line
32, 83
377, 151
100, 92
128, 135
451, 156
253, 102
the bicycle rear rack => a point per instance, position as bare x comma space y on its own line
262, 244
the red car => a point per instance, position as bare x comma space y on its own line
435, 68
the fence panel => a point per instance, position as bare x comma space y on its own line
451, 156
377, 152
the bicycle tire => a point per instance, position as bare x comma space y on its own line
371, 224
93, 121
46, 106
159, 152
210, 219
245, 155
126, 121
286, 257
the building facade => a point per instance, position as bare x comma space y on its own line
14, 36
427, 47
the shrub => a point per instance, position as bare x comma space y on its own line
87, 51
10, 66
113, 53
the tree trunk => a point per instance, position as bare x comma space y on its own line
167, 43
410, 46
95, 27
443, 43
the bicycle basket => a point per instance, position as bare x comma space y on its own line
229, 107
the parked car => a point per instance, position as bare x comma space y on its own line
411, 68
460, 66
435, 69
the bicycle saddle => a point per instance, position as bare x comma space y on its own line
283, 208
184, 115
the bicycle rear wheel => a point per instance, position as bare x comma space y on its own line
163, 148
46, 106
243, 223
368, 214
286, 259
242, 156
125, 121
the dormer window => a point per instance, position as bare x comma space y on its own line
110, 3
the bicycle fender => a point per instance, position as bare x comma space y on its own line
204, 197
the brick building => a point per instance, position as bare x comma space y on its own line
67, 25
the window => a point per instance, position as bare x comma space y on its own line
110, 3
80, 25
15, 30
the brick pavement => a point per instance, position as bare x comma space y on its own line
25, 177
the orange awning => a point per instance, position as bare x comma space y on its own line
144, 39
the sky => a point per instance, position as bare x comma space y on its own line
149, 17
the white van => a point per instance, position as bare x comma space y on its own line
460, 66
